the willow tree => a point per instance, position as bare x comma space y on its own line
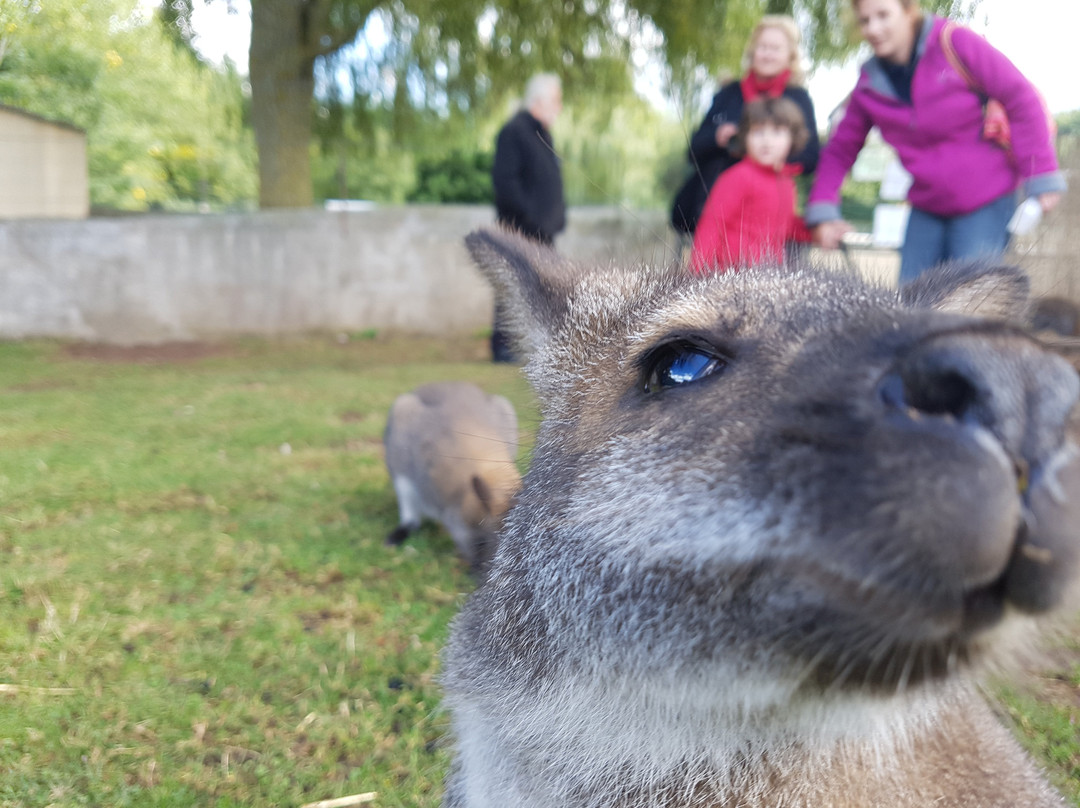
287, 37
466, 53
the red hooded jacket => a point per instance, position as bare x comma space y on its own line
748, 216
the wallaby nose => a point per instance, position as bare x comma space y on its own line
1023, 538
1004, 382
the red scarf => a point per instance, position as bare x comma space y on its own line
754, 87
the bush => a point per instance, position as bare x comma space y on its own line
857, 202
456, 177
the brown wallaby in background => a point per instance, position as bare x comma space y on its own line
451, 450
1057, 314
777, 523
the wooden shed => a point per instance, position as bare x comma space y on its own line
43, 168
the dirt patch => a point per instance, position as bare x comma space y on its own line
1057, 689
1058, 663
395, 348
40, 386
363, 350
162, 353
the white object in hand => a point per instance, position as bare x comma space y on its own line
1027, 216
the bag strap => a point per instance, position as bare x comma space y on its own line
954, 59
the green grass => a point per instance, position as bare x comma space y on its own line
1045, 710
191, 554
195, 549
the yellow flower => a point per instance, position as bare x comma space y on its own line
139, 193
113, 59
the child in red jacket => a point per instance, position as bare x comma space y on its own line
750, 212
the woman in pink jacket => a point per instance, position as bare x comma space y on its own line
964, 188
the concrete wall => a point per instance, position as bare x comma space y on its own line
158, 278
43, 168
145, 279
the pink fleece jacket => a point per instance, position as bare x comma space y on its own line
938, 136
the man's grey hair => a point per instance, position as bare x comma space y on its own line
541, 86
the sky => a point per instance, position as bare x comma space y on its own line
1037, 35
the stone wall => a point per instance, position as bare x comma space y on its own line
145, 279
159, 278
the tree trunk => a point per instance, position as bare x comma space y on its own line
282, 84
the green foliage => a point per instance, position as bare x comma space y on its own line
424, 78
619, 155
164, 131
1068, 138
457, 177
375, 168
1068, 123
175, 18
857, 202
441, 76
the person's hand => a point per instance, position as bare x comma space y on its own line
1049, 200
724, 133
829, 234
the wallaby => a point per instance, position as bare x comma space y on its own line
776, 524
1056, 314
451, 450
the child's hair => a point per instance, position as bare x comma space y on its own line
781, 112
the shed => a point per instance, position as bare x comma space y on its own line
43, 168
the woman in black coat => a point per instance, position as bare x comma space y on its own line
773, 63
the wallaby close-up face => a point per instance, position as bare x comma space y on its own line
777, 524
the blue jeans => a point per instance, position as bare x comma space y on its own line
932, 239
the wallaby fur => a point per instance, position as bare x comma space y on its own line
451, 450
777, 523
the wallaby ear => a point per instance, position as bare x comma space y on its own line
978, 290
530, 280
483, 492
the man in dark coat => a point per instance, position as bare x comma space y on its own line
526, 175
527, 179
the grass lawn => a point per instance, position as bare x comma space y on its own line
196, 606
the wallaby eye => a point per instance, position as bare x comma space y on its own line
680, 362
